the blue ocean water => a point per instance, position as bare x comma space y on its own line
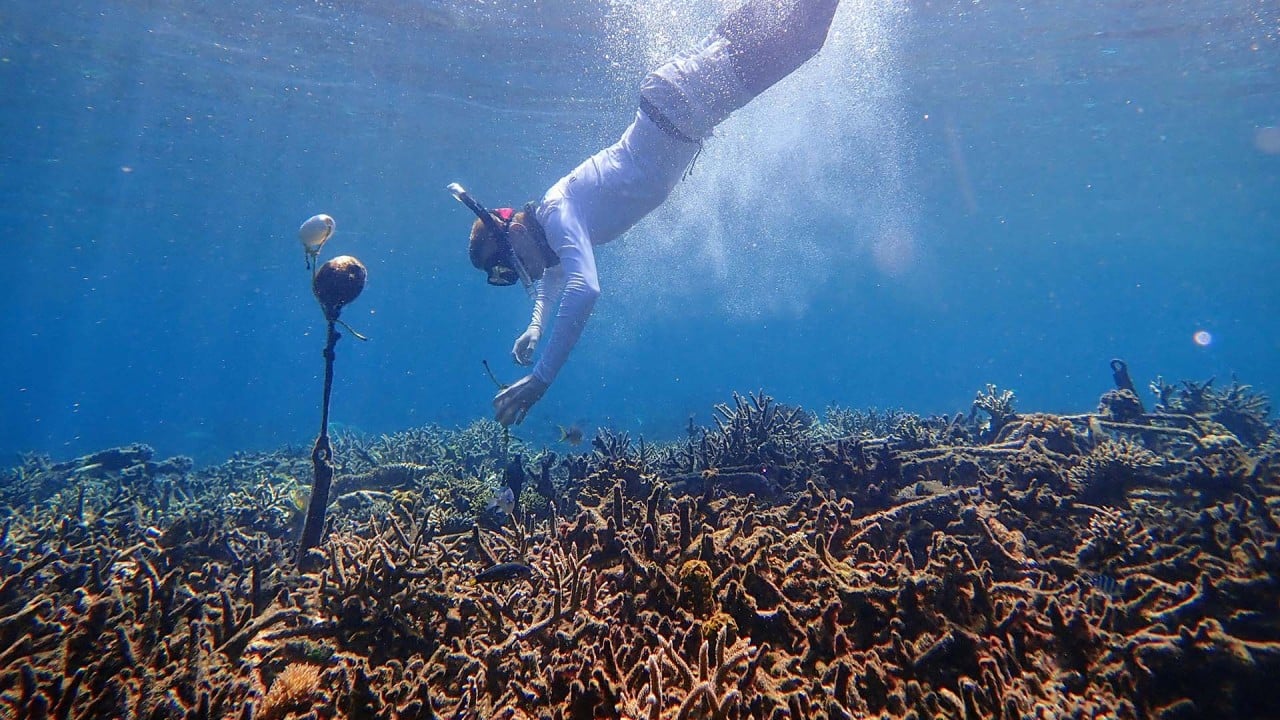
951, 194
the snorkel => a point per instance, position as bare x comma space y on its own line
506, 254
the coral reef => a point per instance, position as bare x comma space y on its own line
777, 564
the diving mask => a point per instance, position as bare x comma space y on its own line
503, 266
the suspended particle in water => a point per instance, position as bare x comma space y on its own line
1202, 338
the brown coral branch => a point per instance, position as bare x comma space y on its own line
236, 644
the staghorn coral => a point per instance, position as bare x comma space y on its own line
755, 432
998, 405
1108, 536
1239, 408
870, 472
865, 577
1205, 672
839, 422
1244, 412
1111, 469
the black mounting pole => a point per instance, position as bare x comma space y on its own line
321, 460
334, 284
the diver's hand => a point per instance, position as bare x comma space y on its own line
522, 351
511, 405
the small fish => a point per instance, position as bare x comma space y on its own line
503, 572
1106, 584
504, 500
571, 435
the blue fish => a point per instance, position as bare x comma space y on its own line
503, 572
571, 435
504, 500
1106, 585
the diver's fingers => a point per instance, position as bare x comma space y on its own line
508, 407
522, 351
501, 406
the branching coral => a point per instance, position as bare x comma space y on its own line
1110, 469
998, 405
1090, 564
1241, 409
839, 422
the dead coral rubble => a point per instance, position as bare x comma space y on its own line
1116, 564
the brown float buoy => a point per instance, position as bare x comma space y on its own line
338, 282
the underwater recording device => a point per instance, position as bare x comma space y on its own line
313, 234
335, 284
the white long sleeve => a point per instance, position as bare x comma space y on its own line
578, 284
601, 199
546, 293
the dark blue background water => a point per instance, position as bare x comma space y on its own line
951, 194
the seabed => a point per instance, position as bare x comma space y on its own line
1121, 563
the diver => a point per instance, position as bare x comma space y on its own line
548, 246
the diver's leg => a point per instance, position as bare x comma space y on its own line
769, 39
755, 47
690, 94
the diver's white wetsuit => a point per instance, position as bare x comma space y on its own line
681, 103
